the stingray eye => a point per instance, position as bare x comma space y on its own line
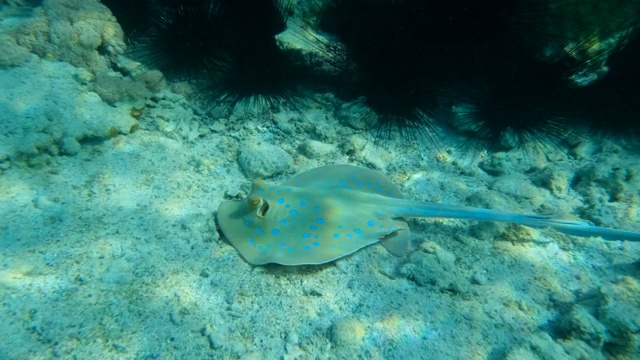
260, 205
254, 202
262, 210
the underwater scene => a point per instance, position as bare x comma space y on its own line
320, 179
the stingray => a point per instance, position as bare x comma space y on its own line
332, 211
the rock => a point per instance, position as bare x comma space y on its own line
114, 88
59, 109
12, 54
436, 267
352, 114
542, 346
554, 180
479, 278
61, 30
579, 324
516, 186
495, 165
620, 313
348, 333
263, 160
70, 146
316, 149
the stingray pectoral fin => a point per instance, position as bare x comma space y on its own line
397, 241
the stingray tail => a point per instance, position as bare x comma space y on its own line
408, 208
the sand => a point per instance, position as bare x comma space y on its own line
109, 246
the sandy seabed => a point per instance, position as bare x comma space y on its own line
109, 246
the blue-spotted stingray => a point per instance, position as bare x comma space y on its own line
332, 211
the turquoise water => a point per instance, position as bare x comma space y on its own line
109, 187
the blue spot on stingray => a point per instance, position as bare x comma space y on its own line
370, 223
316, 207
307, 248
381, 226
303, 203
339, 226
341, 244
316, 244
287, 206
350, 236
283, 245
315, 237
271, 188
266, 197
378, 182
260, 232
260, 191
259, 248
357, 231
246, 223
360, 184
251, 241
251, 218
283, 222
392, 228
335, 236
328, 181
306, 235
293, 212
278, 191
275, 232
378, 190
369, 184
287, 190
280, 201
340, 181
290, 249
319, 185
313, 227
320, 220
